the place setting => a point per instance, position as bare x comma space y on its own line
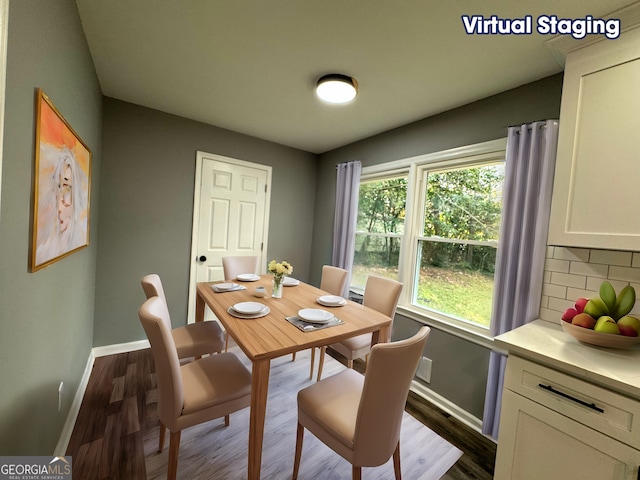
309, 319
331, 301
227, 287
290, 282
248, 310
247, 277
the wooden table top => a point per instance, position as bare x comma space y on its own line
272, 336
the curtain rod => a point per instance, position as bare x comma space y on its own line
535, 121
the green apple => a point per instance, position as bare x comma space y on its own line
606, 324
584, 320
629, 326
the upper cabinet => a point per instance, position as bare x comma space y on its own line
596, 192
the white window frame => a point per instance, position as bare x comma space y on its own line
480, 153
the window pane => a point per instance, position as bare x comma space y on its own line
381, 206
457, 280
464, 204
375, 255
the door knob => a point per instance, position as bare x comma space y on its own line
202, 258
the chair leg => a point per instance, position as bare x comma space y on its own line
298, 454
350, 363
226, 341
323, 351
293, 357
226, 420
396, 462
163, 431
174, 449
313, 361
356, 472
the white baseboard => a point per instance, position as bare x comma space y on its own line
67, 429
120, 348
72, 416
451, 408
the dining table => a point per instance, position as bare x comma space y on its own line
272, 335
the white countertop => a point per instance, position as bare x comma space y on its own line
547, 343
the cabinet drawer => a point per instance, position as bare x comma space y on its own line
603, 410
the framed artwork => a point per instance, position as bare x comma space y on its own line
62, 187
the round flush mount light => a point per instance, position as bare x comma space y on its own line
337, 88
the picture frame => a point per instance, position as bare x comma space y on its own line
62, 187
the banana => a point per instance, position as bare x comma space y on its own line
596, 308
608, 295
624, 302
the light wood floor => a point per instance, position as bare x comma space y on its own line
108, 438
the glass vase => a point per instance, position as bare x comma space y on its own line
277, 287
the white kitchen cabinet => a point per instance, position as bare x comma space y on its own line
569, 410
598, 160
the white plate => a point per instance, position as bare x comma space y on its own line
331, 301
247, 277
263, 313
249, 308
290, 282
225, 286
315, 315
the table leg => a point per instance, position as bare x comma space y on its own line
199, 308
259, 390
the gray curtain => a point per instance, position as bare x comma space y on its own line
529, 169
344, 226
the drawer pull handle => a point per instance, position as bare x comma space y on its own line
574, 399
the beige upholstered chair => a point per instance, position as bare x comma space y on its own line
237, 265
196, 392
333, 281
359, 417
381, 294
192, 340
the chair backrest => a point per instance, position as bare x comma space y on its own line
334, 280
237, 265
390, 370
382, 295
152, 286
154, 317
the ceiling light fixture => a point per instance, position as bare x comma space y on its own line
337, 88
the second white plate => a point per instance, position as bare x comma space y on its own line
315, 315
331, 301
249, 308
247, 277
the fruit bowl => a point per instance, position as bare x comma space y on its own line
587, 335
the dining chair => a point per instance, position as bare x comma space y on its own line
382, 295
194, 339
237, 265
360, 417
193, 393
334, 282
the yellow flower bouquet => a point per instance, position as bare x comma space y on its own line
279, 271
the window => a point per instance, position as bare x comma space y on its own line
433, 222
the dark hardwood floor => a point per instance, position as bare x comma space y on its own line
119, 406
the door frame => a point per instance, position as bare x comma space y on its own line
193, 262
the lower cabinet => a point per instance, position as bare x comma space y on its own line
553, 425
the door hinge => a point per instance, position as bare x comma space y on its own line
265, 188
262, 246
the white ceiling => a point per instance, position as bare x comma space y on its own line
251, 65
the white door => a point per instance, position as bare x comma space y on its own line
230, 217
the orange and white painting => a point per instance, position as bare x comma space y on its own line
62, 188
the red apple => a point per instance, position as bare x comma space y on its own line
584, 320
629, 326
568, 314
580, 303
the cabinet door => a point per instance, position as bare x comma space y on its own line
598, 161
537, 443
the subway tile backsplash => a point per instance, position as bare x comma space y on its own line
570, 273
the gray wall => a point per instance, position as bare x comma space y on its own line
46, 318
487, 119
147, 187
